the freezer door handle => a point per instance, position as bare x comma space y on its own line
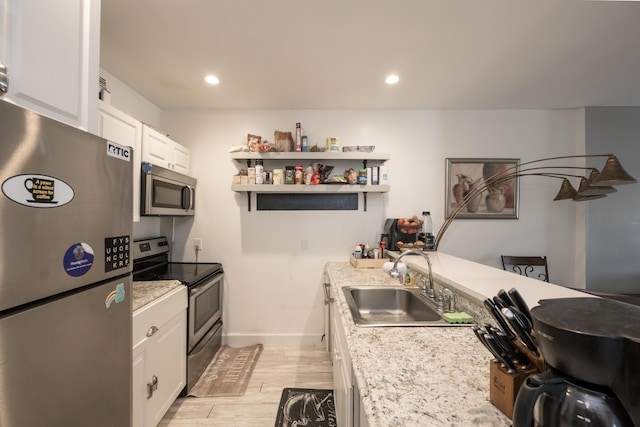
152, 330
152, 386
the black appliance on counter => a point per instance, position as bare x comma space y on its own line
204, 312
592, 349
394, 235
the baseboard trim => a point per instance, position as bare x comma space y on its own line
274, 340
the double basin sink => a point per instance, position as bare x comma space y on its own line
378, 306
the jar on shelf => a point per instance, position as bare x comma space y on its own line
278, 176
362, 176
298, 176
288, 175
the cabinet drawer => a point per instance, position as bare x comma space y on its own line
158, 313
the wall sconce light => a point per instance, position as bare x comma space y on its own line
597, 186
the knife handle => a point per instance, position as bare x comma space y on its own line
500, 303
513, 350
524, 336
480, 335
504, 296
522, 319
491, 341
495, 313
520, 303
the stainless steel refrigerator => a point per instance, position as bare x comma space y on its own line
65, 275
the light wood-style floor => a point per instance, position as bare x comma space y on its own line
277, 368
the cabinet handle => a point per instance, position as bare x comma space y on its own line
152, 386
4, 79
152, 330
327, 297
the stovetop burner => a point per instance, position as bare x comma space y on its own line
151, 262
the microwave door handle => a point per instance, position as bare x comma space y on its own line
187, 200
192, 192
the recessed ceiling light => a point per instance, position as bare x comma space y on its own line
211, 79
392, 79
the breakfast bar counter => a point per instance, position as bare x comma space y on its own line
428, 376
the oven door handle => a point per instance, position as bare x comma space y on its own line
201, 288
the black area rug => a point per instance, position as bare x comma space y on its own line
306, 407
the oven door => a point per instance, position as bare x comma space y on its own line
205, 308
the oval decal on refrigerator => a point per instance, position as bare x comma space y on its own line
38, 191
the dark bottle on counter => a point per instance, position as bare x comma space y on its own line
426, 236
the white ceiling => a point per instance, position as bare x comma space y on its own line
336, 53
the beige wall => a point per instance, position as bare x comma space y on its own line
274, 260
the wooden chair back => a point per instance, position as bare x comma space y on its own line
530, 266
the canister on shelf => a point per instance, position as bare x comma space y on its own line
298, 175
278, 176
288, 174
251, 175
362, 176
333, 144
308, 173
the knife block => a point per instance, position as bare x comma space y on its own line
504, 387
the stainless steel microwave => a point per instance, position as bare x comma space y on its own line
165, 192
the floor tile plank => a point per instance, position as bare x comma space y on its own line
277, 368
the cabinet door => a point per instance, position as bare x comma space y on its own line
181, 158
156, 147
161, 150
342, 385
123, 129
140, 373
51, 50
170, 364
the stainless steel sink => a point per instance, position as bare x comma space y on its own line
379, 306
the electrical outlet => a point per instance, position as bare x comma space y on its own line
197, 242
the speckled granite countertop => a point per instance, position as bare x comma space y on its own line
415, 376
145, 292
430, 376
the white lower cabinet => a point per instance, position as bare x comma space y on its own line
159, 356
345, 390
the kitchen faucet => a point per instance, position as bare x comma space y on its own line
430, 293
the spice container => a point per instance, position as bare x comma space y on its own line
362, 176
298, 175
288, 175
308, 173
333, 144
278, 176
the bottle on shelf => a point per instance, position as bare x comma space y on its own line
298, 137
259, 171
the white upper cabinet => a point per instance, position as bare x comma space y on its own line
123, 129
159, 149
51, 50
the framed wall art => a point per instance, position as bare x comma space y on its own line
499, 201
